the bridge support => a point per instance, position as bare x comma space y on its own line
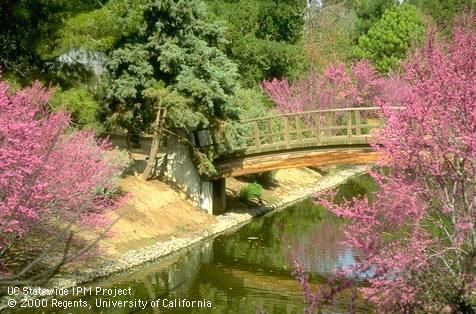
208, 195
219, 196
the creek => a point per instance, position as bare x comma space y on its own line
243, 269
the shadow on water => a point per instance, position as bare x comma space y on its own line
247, 268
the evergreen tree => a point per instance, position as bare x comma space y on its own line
280, 20
172, 58
99, 30
388, 41
368, 12
443, 12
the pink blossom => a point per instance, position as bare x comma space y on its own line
49, 174
417, 235
336, 87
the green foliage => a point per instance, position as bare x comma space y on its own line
96, 30
228, 137
280, 20
251, 190
263, 37
178, 45
122, 157
172, 59
13, 80
203, 162
249, 103
274, 20
370, 12
443, 12
129, 75
260, 59
99, 30
252, 103
83, 108
388, 41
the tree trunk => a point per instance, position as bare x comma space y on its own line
146, 175
129, 152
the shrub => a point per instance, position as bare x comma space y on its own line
251, 190
81, 105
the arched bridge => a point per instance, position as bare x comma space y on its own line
302, 139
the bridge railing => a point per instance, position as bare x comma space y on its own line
311, 128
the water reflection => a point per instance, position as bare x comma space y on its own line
248, 268
304, 230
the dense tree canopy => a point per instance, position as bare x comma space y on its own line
28, 31
100, 29
280, 20
368, 12
262, 36
82, 106
443, 12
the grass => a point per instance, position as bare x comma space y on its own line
251, 190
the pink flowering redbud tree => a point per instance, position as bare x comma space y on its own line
336, 87
50, 178
417, 236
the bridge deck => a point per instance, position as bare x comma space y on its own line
312, 156
302, 139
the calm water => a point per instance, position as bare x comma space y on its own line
247, 268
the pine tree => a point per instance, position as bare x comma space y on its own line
388, 41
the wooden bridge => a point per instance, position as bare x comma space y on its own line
302, 139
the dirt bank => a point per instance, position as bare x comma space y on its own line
154, 213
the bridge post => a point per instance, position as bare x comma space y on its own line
219, 196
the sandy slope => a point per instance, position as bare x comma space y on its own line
154, 212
